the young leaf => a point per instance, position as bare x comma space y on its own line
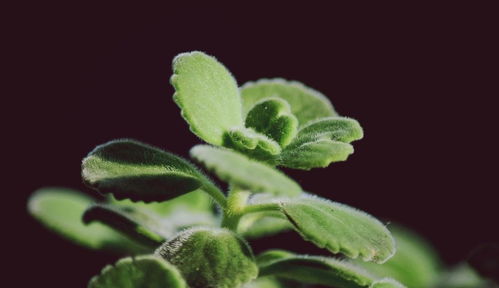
336, 227
316, 154
273, 118
249, 174
143, 271
130, 169
253, 144
306, 104
322, 142
61, 209
340, 129
414, 264
210, 257
139, 225
207, 94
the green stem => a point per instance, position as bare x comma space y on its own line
216, 194
265, 207
236, 203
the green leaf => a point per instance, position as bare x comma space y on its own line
463, 276
322, 142
318, 270
306, 104
413, 252
272, 255
315, 154
387, 283
273, 118
207, 94
336, 227
138, 224
143, 271
340, 129
130, 169
252, 144
249, 174
61, 209
272, 282
211, 257
256, 225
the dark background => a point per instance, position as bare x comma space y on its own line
420, 79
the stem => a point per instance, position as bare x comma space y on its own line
216, 194
236, 204
265, 207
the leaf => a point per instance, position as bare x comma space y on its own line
139, 225
249, 174
387, 283
256, 225
130, 169
318, 270
315, 154
273, 118
322, 142
143, 271
413, 252
61, 209
211, 257
252, 144
207, 94
337, 227
463, 276
272, 282
306, 104
340, 129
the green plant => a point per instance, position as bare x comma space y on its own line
159, 206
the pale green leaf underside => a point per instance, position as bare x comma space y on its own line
414, 264
306, 104
207, 94
246, 173
61, 209
339, 228
130, 169
316, 154
210, 257
140, 225
340, 129
143, 271
323, 271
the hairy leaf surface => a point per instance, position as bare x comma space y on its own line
130, 169
252, 144
316, 154
306, 104
143, 271
61, 209
211, 257
273, 118
246, 173
207, 94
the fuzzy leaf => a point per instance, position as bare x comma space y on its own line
61, 209
256, 225
318, 270
252, 144
272, 282
414, 264
306, 104
139, 225
130, 169
249, 174
338, 228
210, 257
272, 255
340, 129
273, 118
387, 283
143, 271
207, 94
316, 154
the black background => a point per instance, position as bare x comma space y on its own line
420, 79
